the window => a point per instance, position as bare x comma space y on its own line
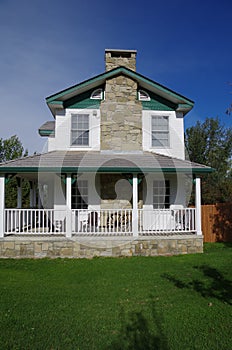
80, 194
143, 96
161, 194
97, 94
80, 130
160, 131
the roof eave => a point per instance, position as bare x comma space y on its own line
56, 100
15, 170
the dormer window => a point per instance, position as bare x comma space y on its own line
144, 96
97, 94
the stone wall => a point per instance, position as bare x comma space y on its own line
116, 192
48, 247
121, 116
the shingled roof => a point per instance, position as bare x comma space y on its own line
47, 129
77, 161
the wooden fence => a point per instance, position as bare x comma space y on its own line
217, 222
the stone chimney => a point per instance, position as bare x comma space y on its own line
121, 112
115, 58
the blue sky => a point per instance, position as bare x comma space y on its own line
49, 45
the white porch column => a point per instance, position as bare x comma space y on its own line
31, 194
34, 195
19, 193
198, 205
69, 205
2, 205
135, 206
40, 196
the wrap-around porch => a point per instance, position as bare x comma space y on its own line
96, 221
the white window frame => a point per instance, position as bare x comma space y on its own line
160, 132
98, 94
80, 194
143, 96
161, 194
80, 130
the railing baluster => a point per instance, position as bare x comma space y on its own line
32, 221
166, 221
100, 221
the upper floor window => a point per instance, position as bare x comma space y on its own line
159, 131
161, 194
97, 94
80, 130
143, 96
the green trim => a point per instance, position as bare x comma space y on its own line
181, 106
56, 102
131, 181
46, 132
157, 103
103, 170
64, 179
8, 178
112, 73
83, 101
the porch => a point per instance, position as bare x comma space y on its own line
94, 220
129, 198
103, 222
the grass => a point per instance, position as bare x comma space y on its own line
179, 302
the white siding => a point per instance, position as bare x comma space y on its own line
62, 139
176, 134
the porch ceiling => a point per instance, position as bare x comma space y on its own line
104, 162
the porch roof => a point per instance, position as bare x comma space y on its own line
102, 162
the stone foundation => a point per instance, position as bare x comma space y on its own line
90, 247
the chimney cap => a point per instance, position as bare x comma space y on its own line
120, 50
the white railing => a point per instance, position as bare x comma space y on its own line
163, 221
102, 221
35, 221
115, 222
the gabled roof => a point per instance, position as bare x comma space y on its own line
77, 161
182, 103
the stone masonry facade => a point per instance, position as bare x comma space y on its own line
60, 247
121, 119
121, 116
121, 112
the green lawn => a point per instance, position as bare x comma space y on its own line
179, 302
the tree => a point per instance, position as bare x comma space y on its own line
229, 109
210, 143
10, 149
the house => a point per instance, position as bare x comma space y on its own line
114, 179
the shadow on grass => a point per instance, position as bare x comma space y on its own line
227, 244
137, 333
215, 286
